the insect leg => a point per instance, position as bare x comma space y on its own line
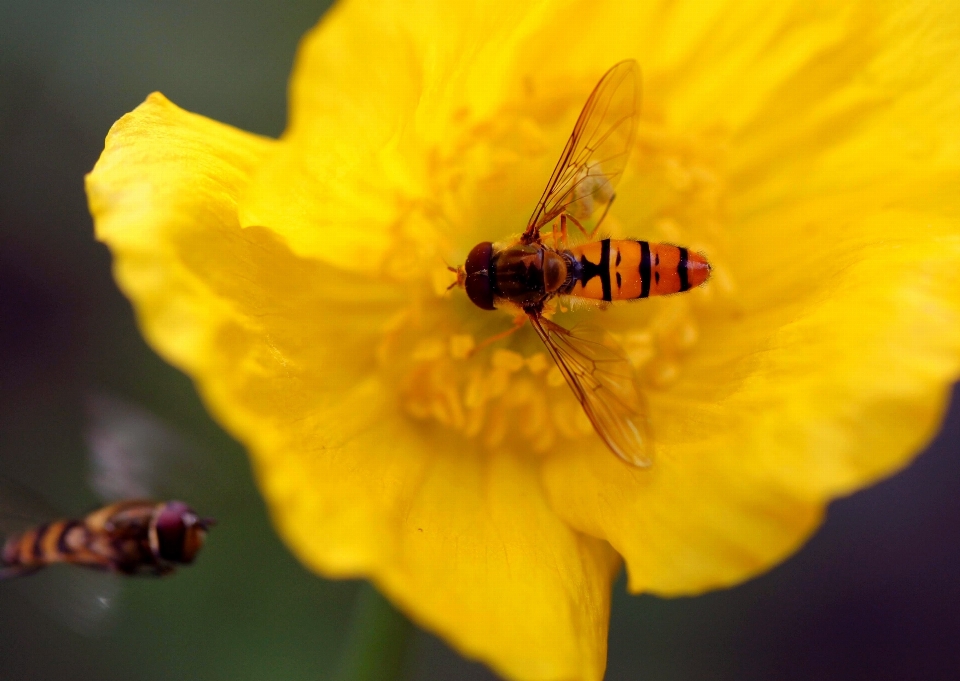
518, 323
579, 226
606, 209
593, 232
562, 239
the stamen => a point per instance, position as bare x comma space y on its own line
538, 363
461, 345
510, 393
428, 349
507, 360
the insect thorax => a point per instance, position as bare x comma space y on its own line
525, 275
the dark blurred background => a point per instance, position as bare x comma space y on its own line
874, 596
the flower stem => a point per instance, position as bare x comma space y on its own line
376, 644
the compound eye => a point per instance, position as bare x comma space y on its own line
480, 291
478, 283
479, 258
180, 534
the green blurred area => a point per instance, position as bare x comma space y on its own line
872, 597
247, 609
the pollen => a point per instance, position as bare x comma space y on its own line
427, 349
538, 363
507, 360
555, 377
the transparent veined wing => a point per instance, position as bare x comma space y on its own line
88, 602
81, 600
133, 454
596, 153
605, 383
22, 508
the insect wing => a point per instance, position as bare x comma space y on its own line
80, 599
605, 383
83, 600
21, 508
596, 153
136, 455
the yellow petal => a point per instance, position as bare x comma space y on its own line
739, 64
832, 365
464, 542
357, 171
283, 350
170, 172
778, 414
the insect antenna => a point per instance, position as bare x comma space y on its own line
461, 275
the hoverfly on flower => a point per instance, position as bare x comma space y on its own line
524, 275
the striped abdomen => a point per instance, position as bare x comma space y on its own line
62, 541
114, 537
624, 269
131, 537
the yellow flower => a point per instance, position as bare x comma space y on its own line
811, 151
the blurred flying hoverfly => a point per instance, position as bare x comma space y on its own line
524, 274
132, 535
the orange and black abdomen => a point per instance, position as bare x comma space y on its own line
624, 269
113, 538
130, 537
62, 541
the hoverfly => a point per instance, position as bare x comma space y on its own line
525, 273
129, 536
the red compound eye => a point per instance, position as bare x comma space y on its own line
180, 533
478, 283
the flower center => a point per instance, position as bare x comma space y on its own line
509, 392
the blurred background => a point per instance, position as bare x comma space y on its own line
874, 595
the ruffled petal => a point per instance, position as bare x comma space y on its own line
758, 438
169, 172
463, 541
357, 171
833, 363
739, 64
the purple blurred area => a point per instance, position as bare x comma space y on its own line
874, 596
